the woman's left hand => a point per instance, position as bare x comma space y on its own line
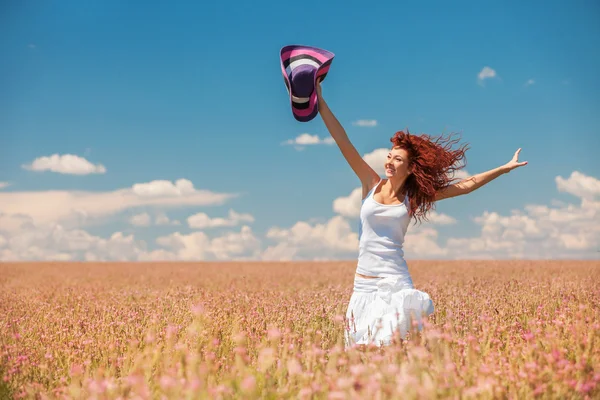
514, 163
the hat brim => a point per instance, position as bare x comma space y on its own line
304, 109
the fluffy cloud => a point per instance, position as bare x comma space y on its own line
486, 73
164, 188
460, 174
556, 230
14, 223
349, 206
4, 185
31, 242
202, 220
65, 164
335, 239
306, 139
421, 241
47, 225
579, 185
304, 240
365, 123
162, 219
242, 245
376, 160
541, 231
436, 218
537, 231
145, 219
529, 82
75, 207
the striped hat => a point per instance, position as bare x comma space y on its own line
301, 66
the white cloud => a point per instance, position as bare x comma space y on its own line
460, 174
202, 220
525, 235
335, 239
486, 73
541, 231
332, 239
162, 219
376, 159
54, 242
145, 220
349, 206
243, 245
282, 251
193, 246
579, 185
71, 207
14, 223
556, 230
529, 82
436, 218
306, 139
4, 185
365, 123
65, 164
159, 188
422, 242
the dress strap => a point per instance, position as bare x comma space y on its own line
370, 194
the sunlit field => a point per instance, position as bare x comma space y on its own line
501, 329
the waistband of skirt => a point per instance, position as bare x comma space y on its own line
369, 285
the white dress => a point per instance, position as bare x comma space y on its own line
380, 306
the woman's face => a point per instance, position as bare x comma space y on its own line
396, 164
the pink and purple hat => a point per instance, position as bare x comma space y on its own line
301, 67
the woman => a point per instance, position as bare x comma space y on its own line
417, 173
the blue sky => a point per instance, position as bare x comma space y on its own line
156, 91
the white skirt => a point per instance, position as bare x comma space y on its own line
380, 306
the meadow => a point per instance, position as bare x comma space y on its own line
501, 329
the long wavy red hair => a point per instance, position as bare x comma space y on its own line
433, 163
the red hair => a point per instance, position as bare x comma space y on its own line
433, 163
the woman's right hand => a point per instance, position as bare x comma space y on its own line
318, 87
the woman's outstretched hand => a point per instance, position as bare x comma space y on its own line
318, 87
514, 163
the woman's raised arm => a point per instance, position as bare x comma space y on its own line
367, 176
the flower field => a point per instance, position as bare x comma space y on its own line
501, 329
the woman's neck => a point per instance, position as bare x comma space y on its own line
394, 188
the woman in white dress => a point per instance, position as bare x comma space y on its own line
418, 172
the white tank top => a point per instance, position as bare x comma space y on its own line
381, 236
